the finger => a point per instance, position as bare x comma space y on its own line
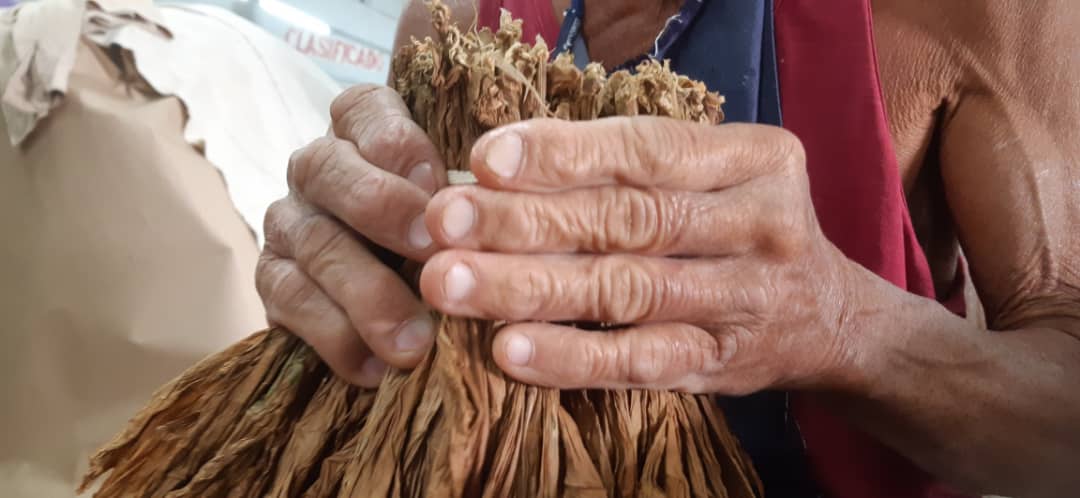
609, 219
669, 356
379, 305
374, 118
612, 288
548, 155
297, 303
385, 208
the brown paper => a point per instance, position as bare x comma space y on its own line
123, 261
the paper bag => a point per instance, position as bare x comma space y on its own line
122, 262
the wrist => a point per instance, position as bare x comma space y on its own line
897, 339
877, 323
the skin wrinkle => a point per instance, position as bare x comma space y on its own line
686, 207
919, 75
632, 220
627, 293
540, 227
393, 133
603, 363
287, 292
645, 360
533, 286
654, 163
371, 186
309, 161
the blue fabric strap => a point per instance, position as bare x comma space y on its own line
725, 48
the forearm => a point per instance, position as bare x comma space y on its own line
988, 411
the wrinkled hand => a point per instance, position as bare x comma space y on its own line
358, 192
702, 238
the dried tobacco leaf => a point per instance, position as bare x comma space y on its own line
267, 418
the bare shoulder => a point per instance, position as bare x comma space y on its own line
993, 45
933, 53
1010, 45
964, 79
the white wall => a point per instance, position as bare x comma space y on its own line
356, 46
391, 8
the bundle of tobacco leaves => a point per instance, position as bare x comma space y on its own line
266, 418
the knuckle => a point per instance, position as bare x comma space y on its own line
572, 161
659, 142
789, 153
528, 294
392, 136
320, 239
352, 98
313, 161
752, 305
285, 291
632, 220
638, 137
704, 353
624, 292
601, 361
540, 225
374, 305
783, 233
646, 359
264, 274
276, 224
367, 194
568, 222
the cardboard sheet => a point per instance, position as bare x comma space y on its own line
123, 262
126, 253
252, 99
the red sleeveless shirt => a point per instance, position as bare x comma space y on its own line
831, 98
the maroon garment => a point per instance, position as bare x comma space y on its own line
832, 100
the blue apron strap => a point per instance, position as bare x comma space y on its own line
581, 53
723, 49
570, 39
769, 91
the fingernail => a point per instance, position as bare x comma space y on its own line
504, 154
416, 335
459, 282
373, 368
423, 176
519, 350
418, 234
458, 218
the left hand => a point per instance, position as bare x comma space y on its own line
702, 238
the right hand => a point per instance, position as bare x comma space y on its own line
363, 187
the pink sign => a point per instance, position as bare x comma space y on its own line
335, 50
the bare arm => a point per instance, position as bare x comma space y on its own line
998, 411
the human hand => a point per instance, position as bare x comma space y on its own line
702, 238
358, 191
